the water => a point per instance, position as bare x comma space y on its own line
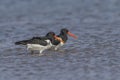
94, 56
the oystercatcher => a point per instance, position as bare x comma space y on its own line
39, 43
62, 38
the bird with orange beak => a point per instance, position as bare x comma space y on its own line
62, 38
39, 43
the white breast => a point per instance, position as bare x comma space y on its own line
58, 46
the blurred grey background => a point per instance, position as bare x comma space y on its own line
94, 56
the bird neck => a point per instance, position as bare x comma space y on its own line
63, 36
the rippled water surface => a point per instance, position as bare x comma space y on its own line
94, 56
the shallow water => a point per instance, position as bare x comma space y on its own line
94, 56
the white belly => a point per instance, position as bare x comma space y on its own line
35, 47
38, 46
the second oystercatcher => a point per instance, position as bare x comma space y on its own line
39, 43
62, 38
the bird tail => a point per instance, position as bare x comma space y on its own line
24, 42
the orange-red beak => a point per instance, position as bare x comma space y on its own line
72, 35
58, 38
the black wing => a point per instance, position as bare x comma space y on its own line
35, 40
40, 38
38, 41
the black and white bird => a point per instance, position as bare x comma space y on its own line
62, 38
39, 43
